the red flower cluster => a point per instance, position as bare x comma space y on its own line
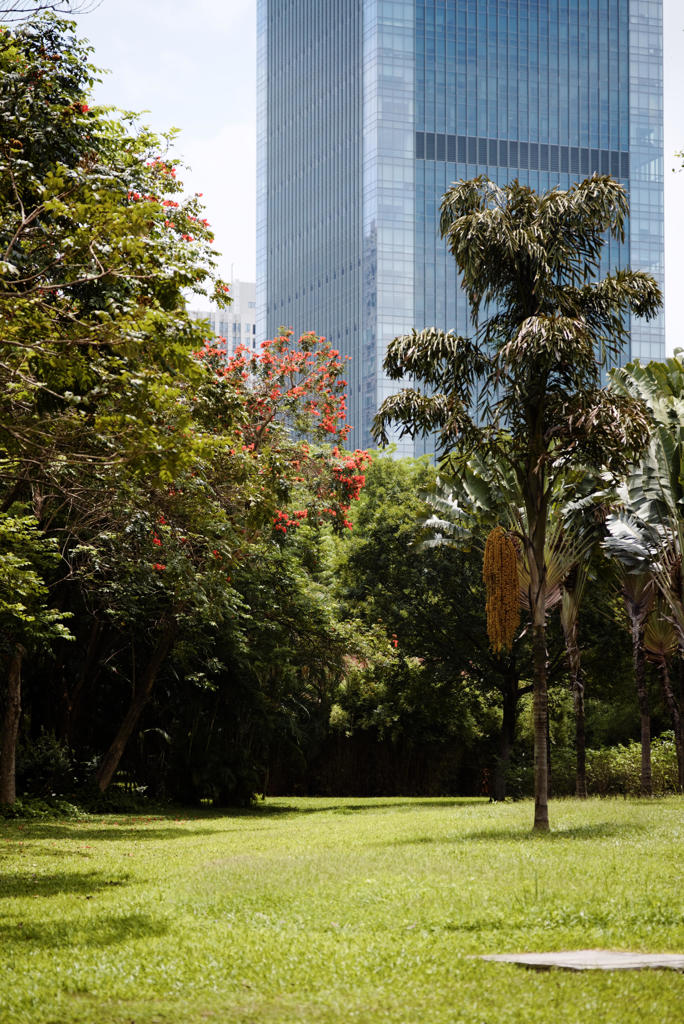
163, 167
283, 520
301, 386
350, 476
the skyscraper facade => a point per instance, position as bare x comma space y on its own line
369, 109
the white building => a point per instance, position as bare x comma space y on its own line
235, 325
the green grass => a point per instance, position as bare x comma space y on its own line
340, 910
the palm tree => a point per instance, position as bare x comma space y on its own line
531, 372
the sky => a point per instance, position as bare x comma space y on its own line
191, 65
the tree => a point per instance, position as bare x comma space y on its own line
572, 591
638, 593
97, 246
531, 373
96, 346
260, 470
166, 472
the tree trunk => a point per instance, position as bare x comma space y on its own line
673, 708
572, 651
507, 739
536, 506
141, 695
580, 741
540, 703
74, 698
10, 727
642, 696
541, 717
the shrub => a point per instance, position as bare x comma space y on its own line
45, 766
617, 770
35, 808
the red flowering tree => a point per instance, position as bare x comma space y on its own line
159, 468
263, 434
293, 426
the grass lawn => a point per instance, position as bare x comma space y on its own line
340, 910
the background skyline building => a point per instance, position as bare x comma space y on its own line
369, 109
237, 323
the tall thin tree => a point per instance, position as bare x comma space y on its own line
531, 373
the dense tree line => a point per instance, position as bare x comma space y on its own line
150, 490
205, 594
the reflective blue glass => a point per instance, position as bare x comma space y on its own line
369, 109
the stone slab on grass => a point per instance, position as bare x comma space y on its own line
593, 960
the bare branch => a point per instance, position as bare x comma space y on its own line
21, 10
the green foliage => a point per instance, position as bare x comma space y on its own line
41, 809
95, 338
617, 770
176, 485
646, 531
45, 766
27, 556
162, 502
431, 687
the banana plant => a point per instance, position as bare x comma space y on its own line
660, 643
646, 530
487, 494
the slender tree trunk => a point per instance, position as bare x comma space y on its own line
141, 695
580, 741
536, 507
673, 708
75, 696
541, 716
10, 727
510, 714
540, 708
549, 773
644, 711
574, 664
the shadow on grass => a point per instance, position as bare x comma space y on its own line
97, 931
195, 824
342, 805
23, 883
390, 806
598, 830
78, 832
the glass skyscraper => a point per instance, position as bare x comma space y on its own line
369, 109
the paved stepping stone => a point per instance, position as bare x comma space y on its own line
593, 960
